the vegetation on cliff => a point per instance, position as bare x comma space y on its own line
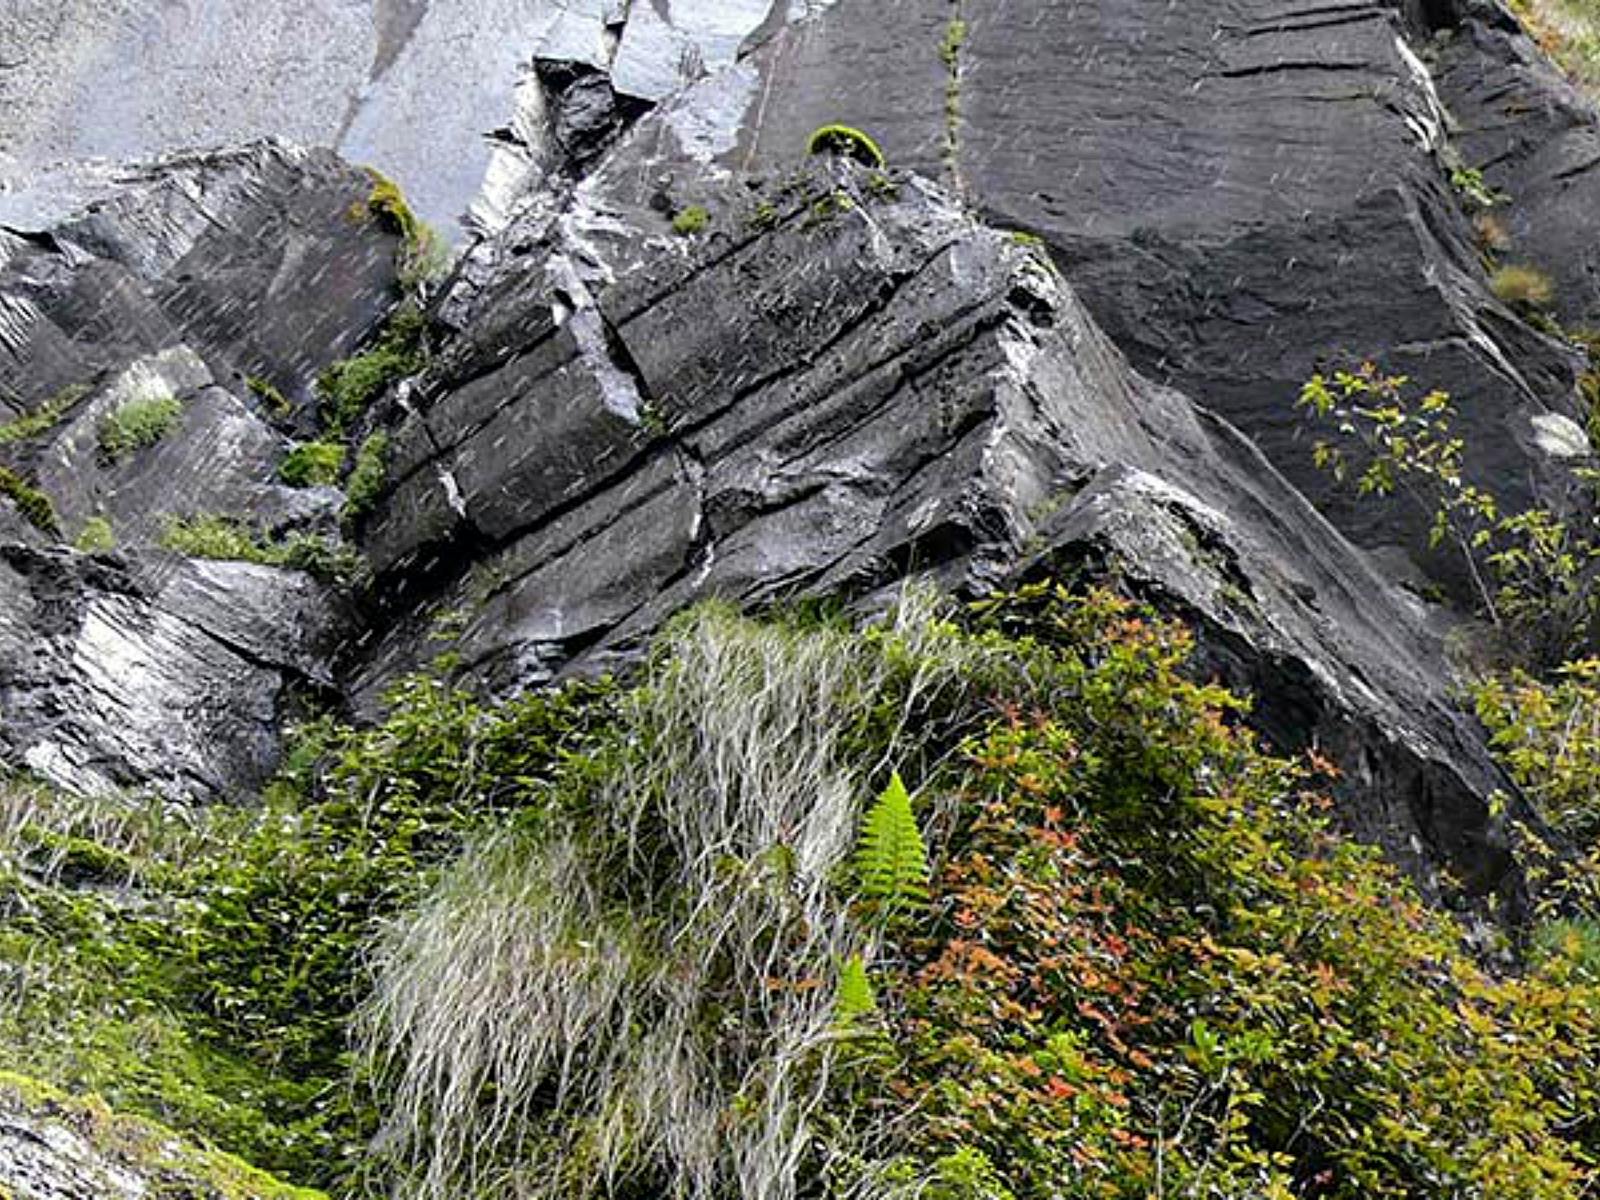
677, 939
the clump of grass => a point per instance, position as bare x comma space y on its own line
138, 423
347, 388
96, 537
32, 503
45, 417
1522, 286
367, 477
691, 220
848, 142
312, 464
639, 988
213, 536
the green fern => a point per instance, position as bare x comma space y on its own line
855, 1000
892, 859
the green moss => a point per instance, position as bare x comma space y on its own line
424, 256
955, 36
347, 388
764, 216
848, 142
312, 464
367, 477
178, 1166
267, 392
882, 186
830, 207
96, 537
691, 220
46, 417
137, 424
213, 536
32, 503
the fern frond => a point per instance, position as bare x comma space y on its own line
855, 1000
892, 858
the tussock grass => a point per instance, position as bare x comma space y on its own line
640, 993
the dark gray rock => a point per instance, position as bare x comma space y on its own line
1537, 140
151, 671
262, 260
841, 396
1243, 193
220, 457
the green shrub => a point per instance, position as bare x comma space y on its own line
137, 424
690, 221
1533, 571
96, 537
32, 503
212, 987
312, 464
367, 477
1548, 735
1148, 965
847, 142
1469, 184
1522, 286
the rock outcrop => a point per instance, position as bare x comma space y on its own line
829, 380
217, 285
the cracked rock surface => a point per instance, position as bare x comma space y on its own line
854, 383
847, 378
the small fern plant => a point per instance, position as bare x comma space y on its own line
892, 859
855, 1001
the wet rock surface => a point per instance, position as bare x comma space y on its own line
851, 382
56, 1148
831, 380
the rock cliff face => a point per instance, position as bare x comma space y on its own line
821, 379
1057, 331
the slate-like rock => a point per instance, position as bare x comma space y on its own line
1535, 138
1243, 193
153, 671
263, 260
851, 383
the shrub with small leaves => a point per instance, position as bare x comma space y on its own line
1534, 571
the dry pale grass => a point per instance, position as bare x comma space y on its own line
642, 996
